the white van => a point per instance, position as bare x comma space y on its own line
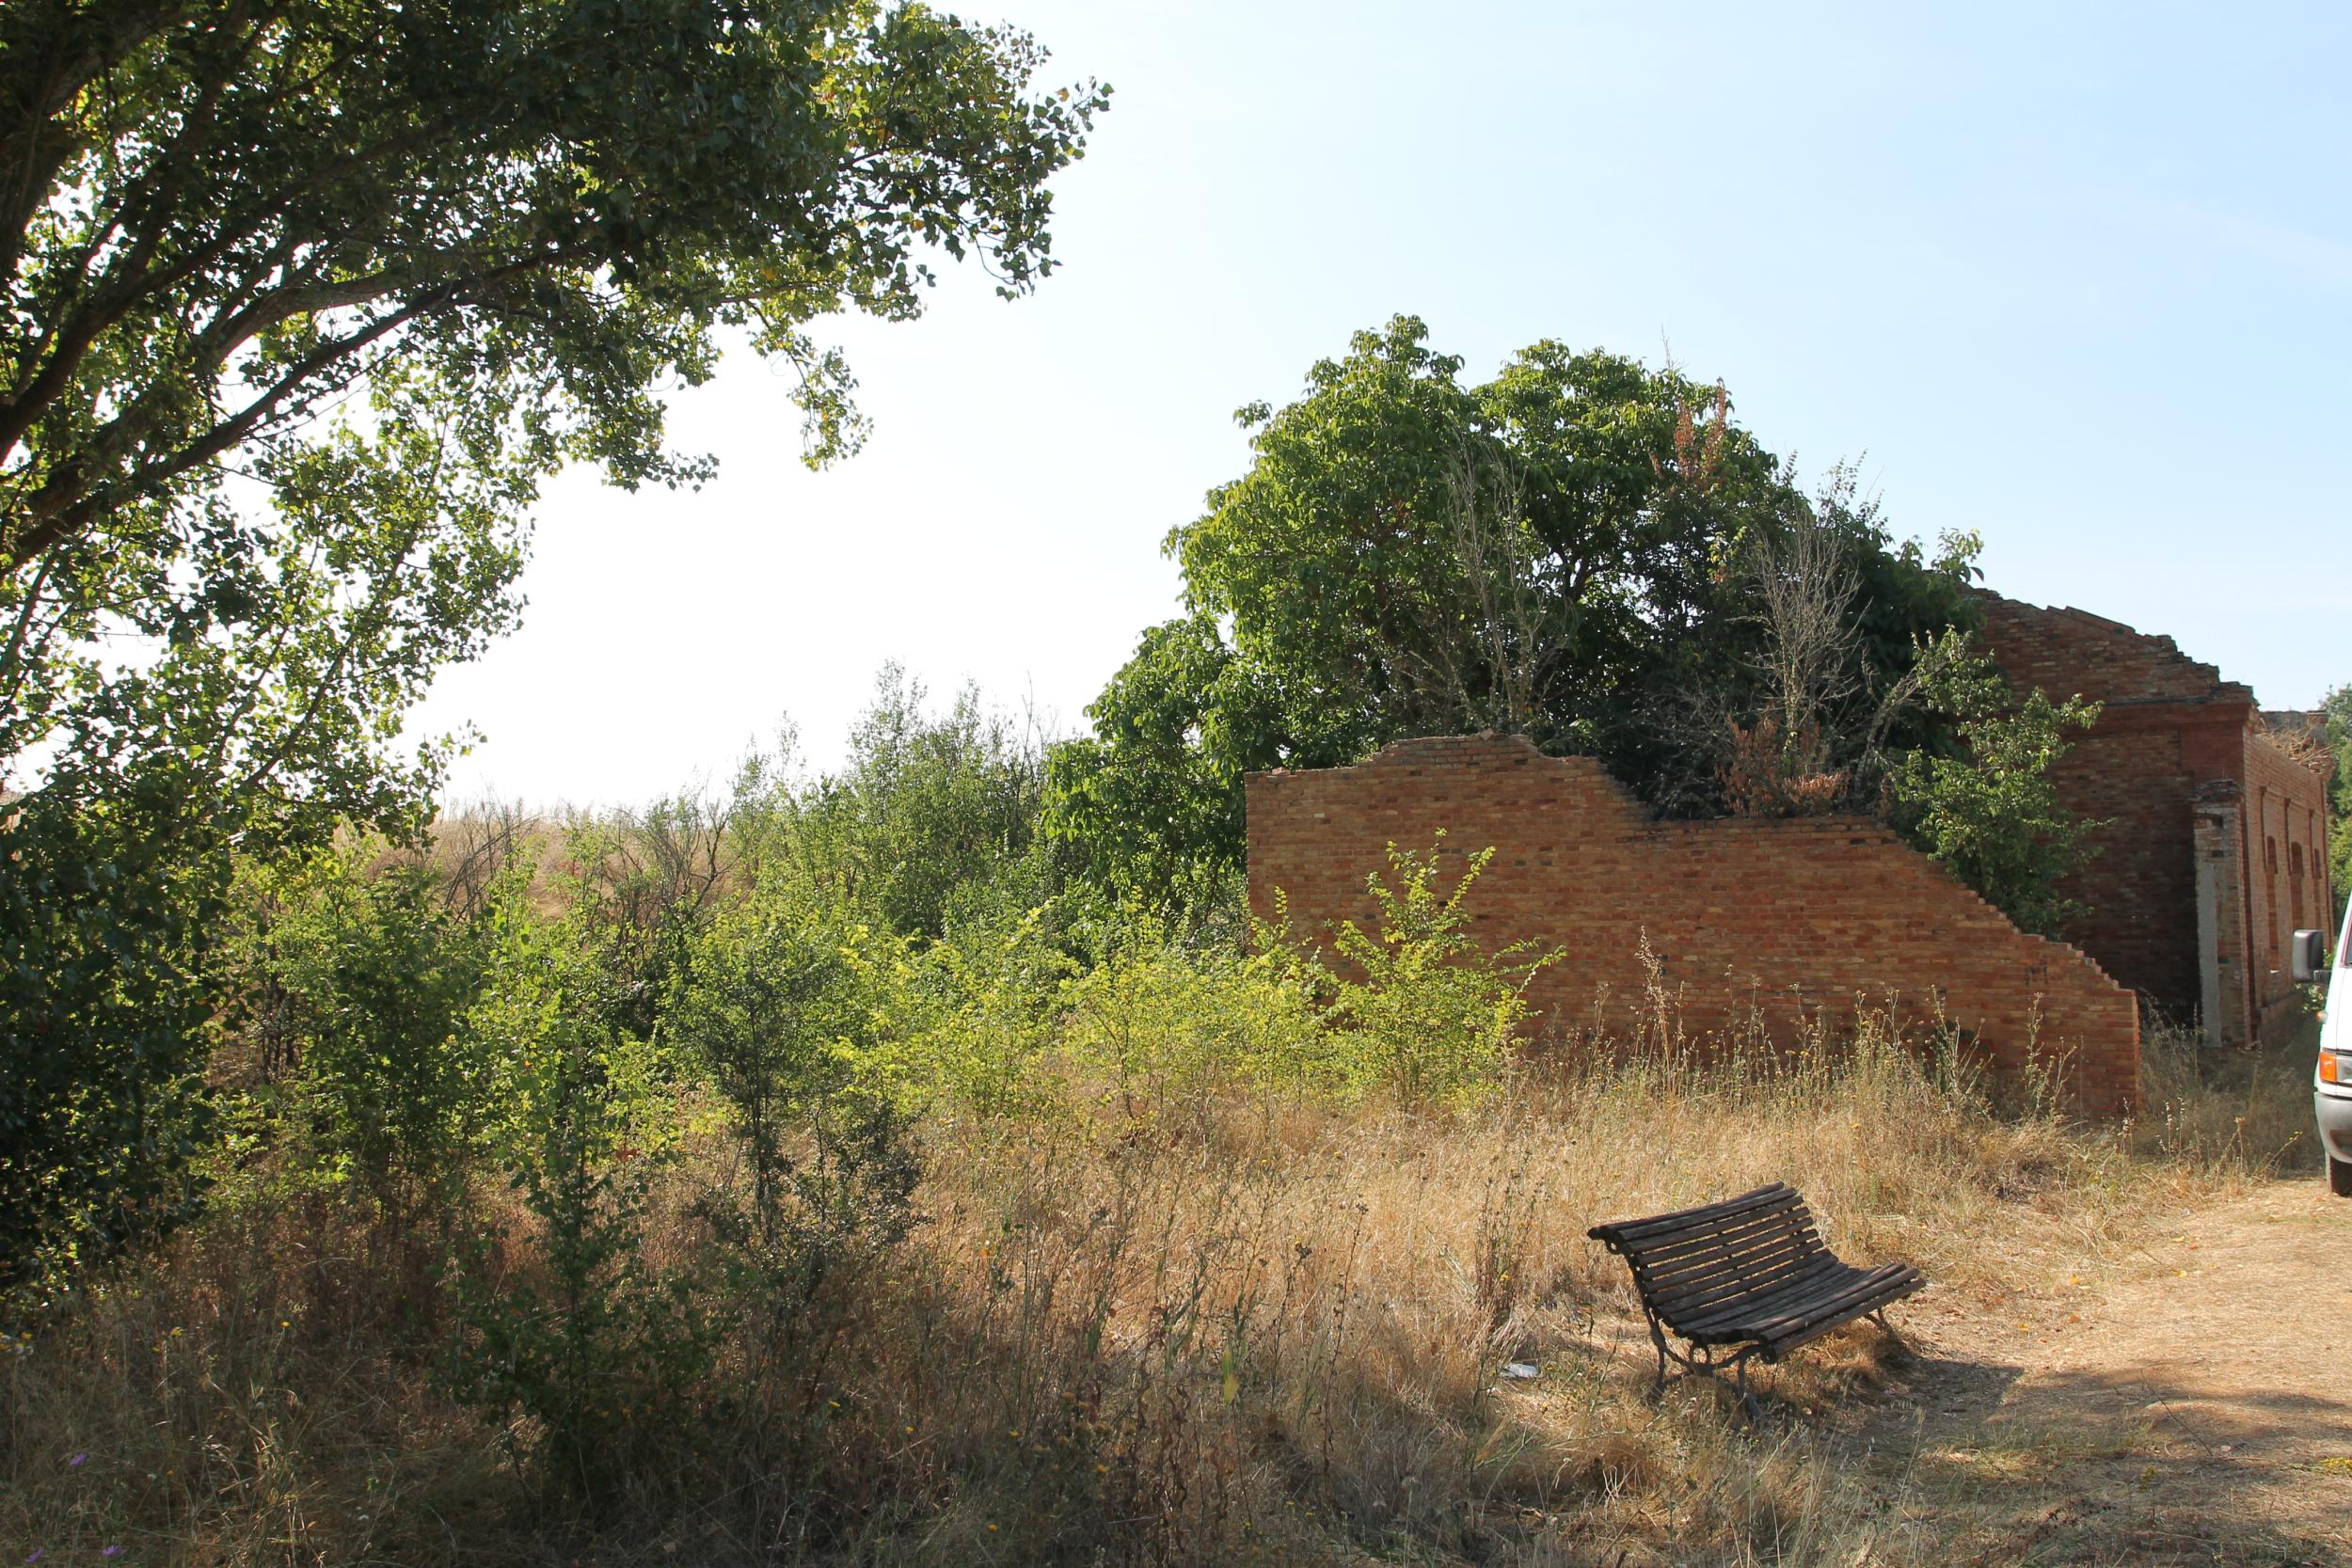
2332, 1081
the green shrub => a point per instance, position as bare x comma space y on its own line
1992, 813
787, 1003
574, 1326
105, 1109
357, 986
1428, 1016
984, 1015
928, 806
643, 882
1167, 1028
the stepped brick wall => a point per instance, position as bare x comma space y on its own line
1754, 922
2173, 740
2065, 651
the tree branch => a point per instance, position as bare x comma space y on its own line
49, 54
69, 499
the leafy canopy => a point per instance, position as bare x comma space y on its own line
303, 301
300, 304
2336, 710
1391, 515
1563, 551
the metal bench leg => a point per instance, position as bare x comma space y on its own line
1747, 1401
1702, 1363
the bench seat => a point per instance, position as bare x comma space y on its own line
1749, 1275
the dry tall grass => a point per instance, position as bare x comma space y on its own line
1273, 1336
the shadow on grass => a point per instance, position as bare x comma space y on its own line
2114, 1466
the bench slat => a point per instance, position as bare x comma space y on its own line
1662, 1252
1667, 1240
1749, 1315
1754, 1252
1701, 1270
1785, 1317
1630, 1230
1688, 1306
1701, 1256
1824, 1306
1698, 1252
1908, 1284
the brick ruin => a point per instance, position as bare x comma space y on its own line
2215, 843
1753, 921
2211, 852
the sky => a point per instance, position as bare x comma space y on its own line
2073, 276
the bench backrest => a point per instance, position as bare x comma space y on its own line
1696, 1259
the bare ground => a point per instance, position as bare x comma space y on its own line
2191, 1403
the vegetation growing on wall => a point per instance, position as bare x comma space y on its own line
1987, 806
1584, 550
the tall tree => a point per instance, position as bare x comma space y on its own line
1520, 550
262, 258
303, 301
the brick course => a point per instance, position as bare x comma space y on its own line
1756, 921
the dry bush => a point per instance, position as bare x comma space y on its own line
1272, 1334
2206, 1112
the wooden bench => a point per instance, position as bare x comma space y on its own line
1744, 1278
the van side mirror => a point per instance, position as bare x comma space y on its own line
2307, 955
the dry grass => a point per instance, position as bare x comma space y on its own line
1278, 1340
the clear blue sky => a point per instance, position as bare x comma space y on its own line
2073, 276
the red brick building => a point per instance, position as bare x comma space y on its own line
2215, 843
1755, 923
2211, 852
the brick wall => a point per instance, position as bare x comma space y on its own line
2170, 735
2168, 725
1752, 919
2066, 652
2285, 807
2139, 890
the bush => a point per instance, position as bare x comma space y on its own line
104, 1111
1429, 1017
355, 987
574, 1324
787, 1003
930, 806
1168, 1030
642, 882
1991, 812
983, 1014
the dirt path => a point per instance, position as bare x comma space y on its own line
2193, 1404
